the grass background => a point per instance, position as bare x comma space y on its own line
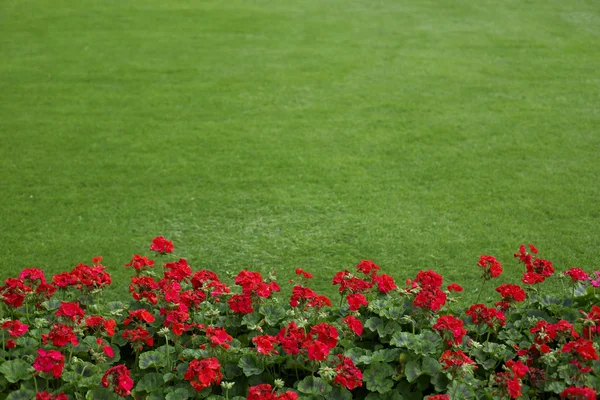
282, 134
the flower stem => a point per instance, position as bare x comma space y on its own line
480, 290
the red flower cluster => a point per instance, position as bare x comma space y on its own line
177, 271
354, 324
451, 328
50, 361
49, 396
83, 277
207, 281
31, 280
161, 245
480, 314
252, 284
349, 283
265, 344
291, 338
218, 337
203, 373
454, 359
591, 322
510, 382
98, 323
308, 298
138, 337
356, 300
347, 374
120, 378
143, 287
139, 263
537, 269
302, 273
577, 274
510, 294
439, 397
266, 392
491, 267
430, 296
70, 311
15, 328
60, 335
578, 393
454, 287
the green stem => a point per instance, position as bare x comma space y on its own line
168, 353
35, 383
480, 291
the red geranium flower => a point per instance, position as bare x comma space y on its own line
354, 324
49, 396
385, 283
511, 293
451, 328
15, 328
139, 263
578, 393
347, 374
325, 334
49, 361
241, 303
138, 337
454, 359
161, 245
203, 373
591, 322
439, 397
316, 350
60, 335
480, 314
141, 315
304, 274
491, 267
355, 300
70, 310
453, 287
577, 274
265, 344
218, 337
119, 377
367, 267
291, 338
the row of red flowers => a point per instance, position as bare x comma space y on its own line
201, 335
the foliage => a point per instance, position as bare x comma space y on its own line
187, 334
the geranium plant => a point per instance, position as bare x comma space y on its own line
187, 334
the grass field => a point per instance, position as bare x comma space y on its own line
282, 134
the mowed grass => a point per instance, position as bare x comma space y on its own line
281, 134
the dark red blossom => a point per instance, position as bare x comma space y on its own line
316, 350
303, 273
451, 359
291, 338
50, 361
439, 397
451, 328
60, 335
15, 327
543, 332
350, 283
70, 310
325, 333
385, 283
140, 263
582, 349
429, 296
453, 287
218, 337
354, 324
49, 396
480, 314
578, 393
356, 300
511, 293
348, 375
577, 274
491, 267
241, 303
367, 267
138, 337
141, 315
161, 245
176, 318
532, 278
120, 379
14, 291
591, 322
178, 270
32, 276
143, 287
265, 344
203, 373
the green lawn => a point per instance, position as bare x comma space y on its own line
282, 134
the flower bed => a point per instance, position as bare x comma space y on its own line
187, 334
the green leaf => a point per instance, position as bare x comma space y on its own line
430, 366
376, 377
314, 386
273, 313
168, 376
391, 395
251, 365
554, 387
100, 393
178, 394
403, 339
412, 370
460, 391
372, 323
149, 382
16, 370
440, 382
21, 394
152, 359
339, 393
